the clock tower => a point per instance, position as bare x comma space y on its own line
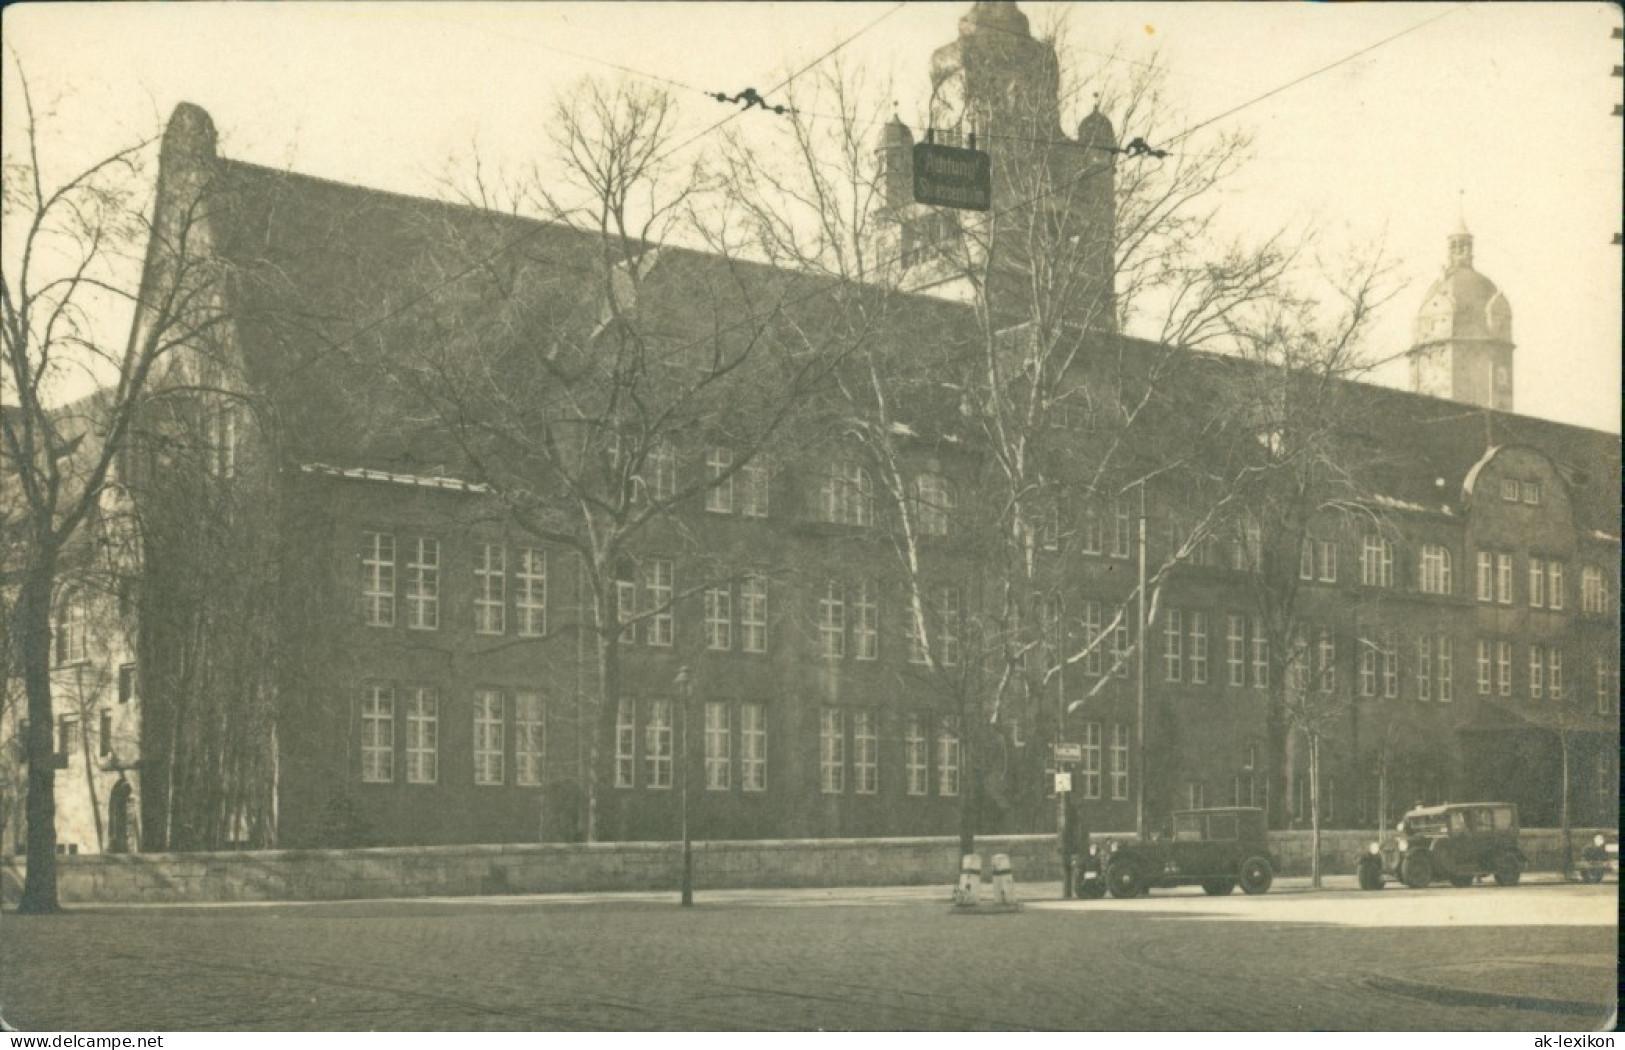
1461, 346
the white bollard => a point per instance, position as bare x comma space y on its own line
1004, 881
970, 881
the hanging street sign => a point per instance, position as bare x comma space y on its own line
1068, 752
1063, 783
950, 177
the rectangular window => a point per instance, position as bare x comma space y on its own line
719, 497
832, 621
1537, 673
530, 599
1537, 583
1306, 559
1370, 652
1326, 663
1554, 585
662, 472
1435, 569
916, 636
865, 753
948, 625
1376, 562
657, 745
1195, 794
1173, 646
1122, 530
832, 752
1593, 597
1554, 673
1445, 669
718, 754
1235, 650
1509, 489
1119, 761
488, 726
1091, 536
1503, 579
848, 495
947, 758
718, 618
423, 584
866, 622
626, 609
625, 741
1485, 661
1390, 665
1094, 661
1503, 668
1531, 492
1424, 667
1261, 655
657, 584
753, 747
490, 578
529, 738
1088, 784
1605, 695
378, 579
934, 502
378, 734
753, 614
915, 756
422, 736
1486, 576
1198, 648
753, 488
104, 734
1326, 561
1120, 645
126, 683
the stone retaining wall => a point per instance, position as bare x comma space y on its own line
604, 867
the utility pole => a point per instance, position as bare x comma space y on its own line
685, 689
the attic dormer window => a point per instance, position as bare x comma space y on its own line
1509, 489
1531, 492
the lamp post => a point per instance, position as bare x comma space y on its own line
685, 689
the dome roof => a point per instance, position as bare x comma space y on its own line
1463, 303
1096, 130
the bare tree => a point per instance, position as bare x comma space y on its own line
67, 237
600, 370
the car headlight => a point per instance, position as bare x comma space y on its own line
1115, 846
1599, 840
1093, 849
1374, 849
1402, 845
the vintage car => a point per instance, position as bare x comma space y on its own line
1456, 843
1216, 849
1599, 858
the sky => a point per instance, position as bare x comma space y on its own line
1496, 114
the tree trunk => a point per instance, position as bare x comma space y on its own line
601, 755
1568, 832
32, 624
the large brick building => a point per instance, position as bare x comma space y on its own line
395, 655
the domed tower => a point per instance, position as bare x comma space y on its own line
1461, 346
1052, 195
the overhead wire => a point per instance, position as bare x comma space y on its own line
1067, 184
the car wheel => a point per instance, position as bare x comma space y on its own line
1591, 875
1508, 870
1218, 887
1089, 889
1256, 875
1460, 881
1370, 877
1416, 870
1124, 880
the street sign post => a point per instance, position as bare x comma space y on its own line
950, 177
1063, 783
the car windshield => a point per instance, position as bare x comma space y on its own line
1432, 824
1187, 827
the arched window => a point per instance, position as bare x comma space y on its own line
934, 503
1435, 569
71, 643
849, 495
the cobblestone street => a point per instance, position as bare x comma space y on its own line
853, 959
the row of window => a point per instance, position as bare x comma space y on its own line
400, 728
729, 757
1318, 562
509, 586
